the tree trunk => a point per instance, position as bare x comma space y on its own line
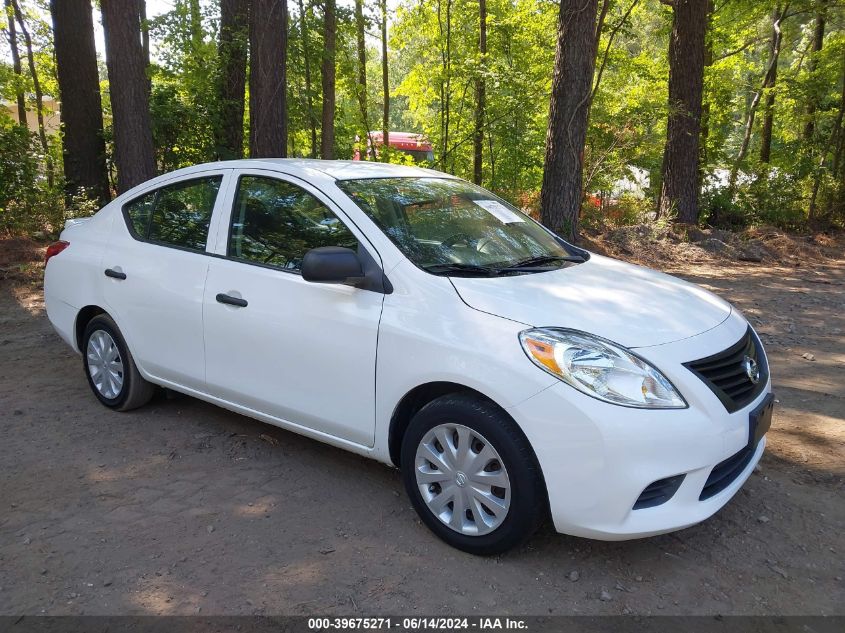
605, 7
575, 59
39, 96
752, 110
679, 190
835, 141
478, 140
838, 166
446, 81
385, 83
83, 147
362, 67
231, 80
328, 79
145, 41
769, 86
442, 86
145, 32
196, 25
815, 49
309, 93
133, 139
705, 102
268, 111
614, 31
492, 155
16, 63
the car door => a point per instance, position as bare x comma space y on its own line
301, 352
155, 268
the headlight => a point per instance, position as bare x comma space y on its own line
600, 369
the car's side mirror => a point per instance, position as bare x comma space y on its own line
332, 265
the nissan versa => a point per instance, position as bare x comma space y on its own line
412, 317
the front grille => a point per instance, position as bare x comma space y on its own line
726, 375
658, 492
725, 472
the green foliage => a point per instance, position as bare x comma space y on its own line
434, 63
627, 210
303, 37
183, 94
774, 198
27, 203
628, 112
438, 79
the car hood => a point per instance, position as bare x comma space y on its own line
627, 304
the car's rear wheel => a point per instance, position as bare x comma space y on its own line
472, 475
112, 374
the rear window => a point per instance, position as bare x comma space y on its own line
177, 215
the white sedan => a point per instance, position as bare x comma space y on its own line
412, 317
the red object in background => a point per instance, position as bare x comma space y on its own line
593, 200
54, 249
409, 142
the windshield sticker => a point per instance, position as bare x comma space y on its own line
499, 211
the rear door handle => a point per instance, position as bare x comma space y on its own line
115, 274
232, 301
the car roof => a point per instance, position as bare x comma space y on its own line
336, 169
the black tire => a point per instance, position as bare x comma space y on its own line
135, 391
528, 504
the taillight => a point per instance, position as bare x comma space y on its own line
54, 249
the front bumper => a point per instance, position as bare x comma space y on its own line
598, 458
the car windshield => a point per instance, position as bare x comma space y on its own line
449, 226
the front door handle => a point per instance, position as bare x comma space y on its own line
115, 274
232, 301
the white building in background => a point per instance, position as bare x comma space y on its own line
638, 180
635, 183
51, 113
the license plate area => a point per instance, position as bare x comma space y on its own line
760, 420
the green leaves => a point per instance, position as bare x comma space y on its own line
434, 62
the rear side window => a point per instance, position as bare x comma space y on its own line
139, 212
176, 215
275, 223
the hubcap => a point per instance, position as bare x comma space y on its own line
104, 364
462, 479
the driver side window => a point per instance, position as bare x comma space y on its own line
274, 223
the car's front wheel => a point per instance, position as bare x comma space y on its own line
110, 369
472, 475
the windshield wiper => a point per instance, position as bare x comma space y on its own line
542, 259
524, 265
461, 269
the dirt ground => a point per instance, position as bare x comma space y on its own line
184, 508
